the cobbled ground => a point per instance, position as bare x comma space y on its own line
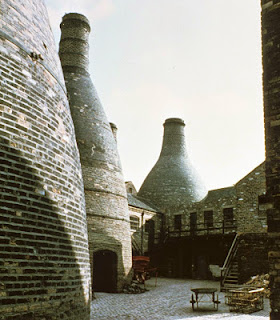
170, 299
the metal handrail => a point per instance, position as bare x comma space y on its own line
198, 228
135, 244
230, 252
230, 256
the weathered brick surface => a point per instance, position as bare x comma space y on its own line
192, 248
44, 259
147, 234
216, 200
144, 237
249, 216
271, 92
106, 201
252, 255
172, 182
243, 198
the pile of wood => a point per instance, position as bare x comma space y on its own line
245, 300
260, 281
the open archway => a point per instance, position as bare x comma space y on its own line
104, 271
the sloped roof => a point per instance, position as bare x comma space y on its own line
260, 168
216, 194
136, 202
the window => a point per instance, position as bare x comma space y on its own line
228, 216
208, 218
178, 222
134, 222
129, 190
193, 221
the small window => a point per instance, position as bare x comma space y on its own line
193, 220
129, 190
134, 222
208, 218
178, 222
228, 216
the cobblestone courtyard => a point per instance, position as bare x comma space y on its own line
170, 299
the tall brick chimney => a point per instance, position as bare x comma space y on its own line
271, 95
106, 202
173, 182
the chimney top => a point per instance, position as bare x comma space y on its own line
75, 16
173, 183
174, 120
73, 45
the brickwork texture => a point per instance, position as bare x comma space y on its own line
44, 265
242, 198
106, 200
271, 93
173, 181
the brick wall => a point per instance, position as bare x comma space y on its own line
243, 198
271, 91
249, 217
106, 200
44, 259
252, 255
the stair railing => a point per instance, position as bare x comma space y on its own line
135, 244
230, 256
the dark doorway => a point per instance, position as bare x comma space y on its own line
104, 271
202, 267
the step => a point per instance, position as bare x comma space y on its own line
234, 267
230, 281
230, 287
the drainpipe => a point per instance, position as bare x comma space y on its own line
142, 232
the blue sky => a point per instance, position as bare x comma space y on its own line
196, 60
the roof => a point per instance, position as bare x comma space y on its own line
260, 168
214, 195
136, 202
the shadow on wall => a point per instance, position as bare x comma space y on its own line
40, 276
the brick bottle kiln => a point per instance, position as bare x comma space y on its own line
45, 271
173, 181
106, 200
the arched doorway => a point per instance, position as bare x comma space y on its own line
104, 271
